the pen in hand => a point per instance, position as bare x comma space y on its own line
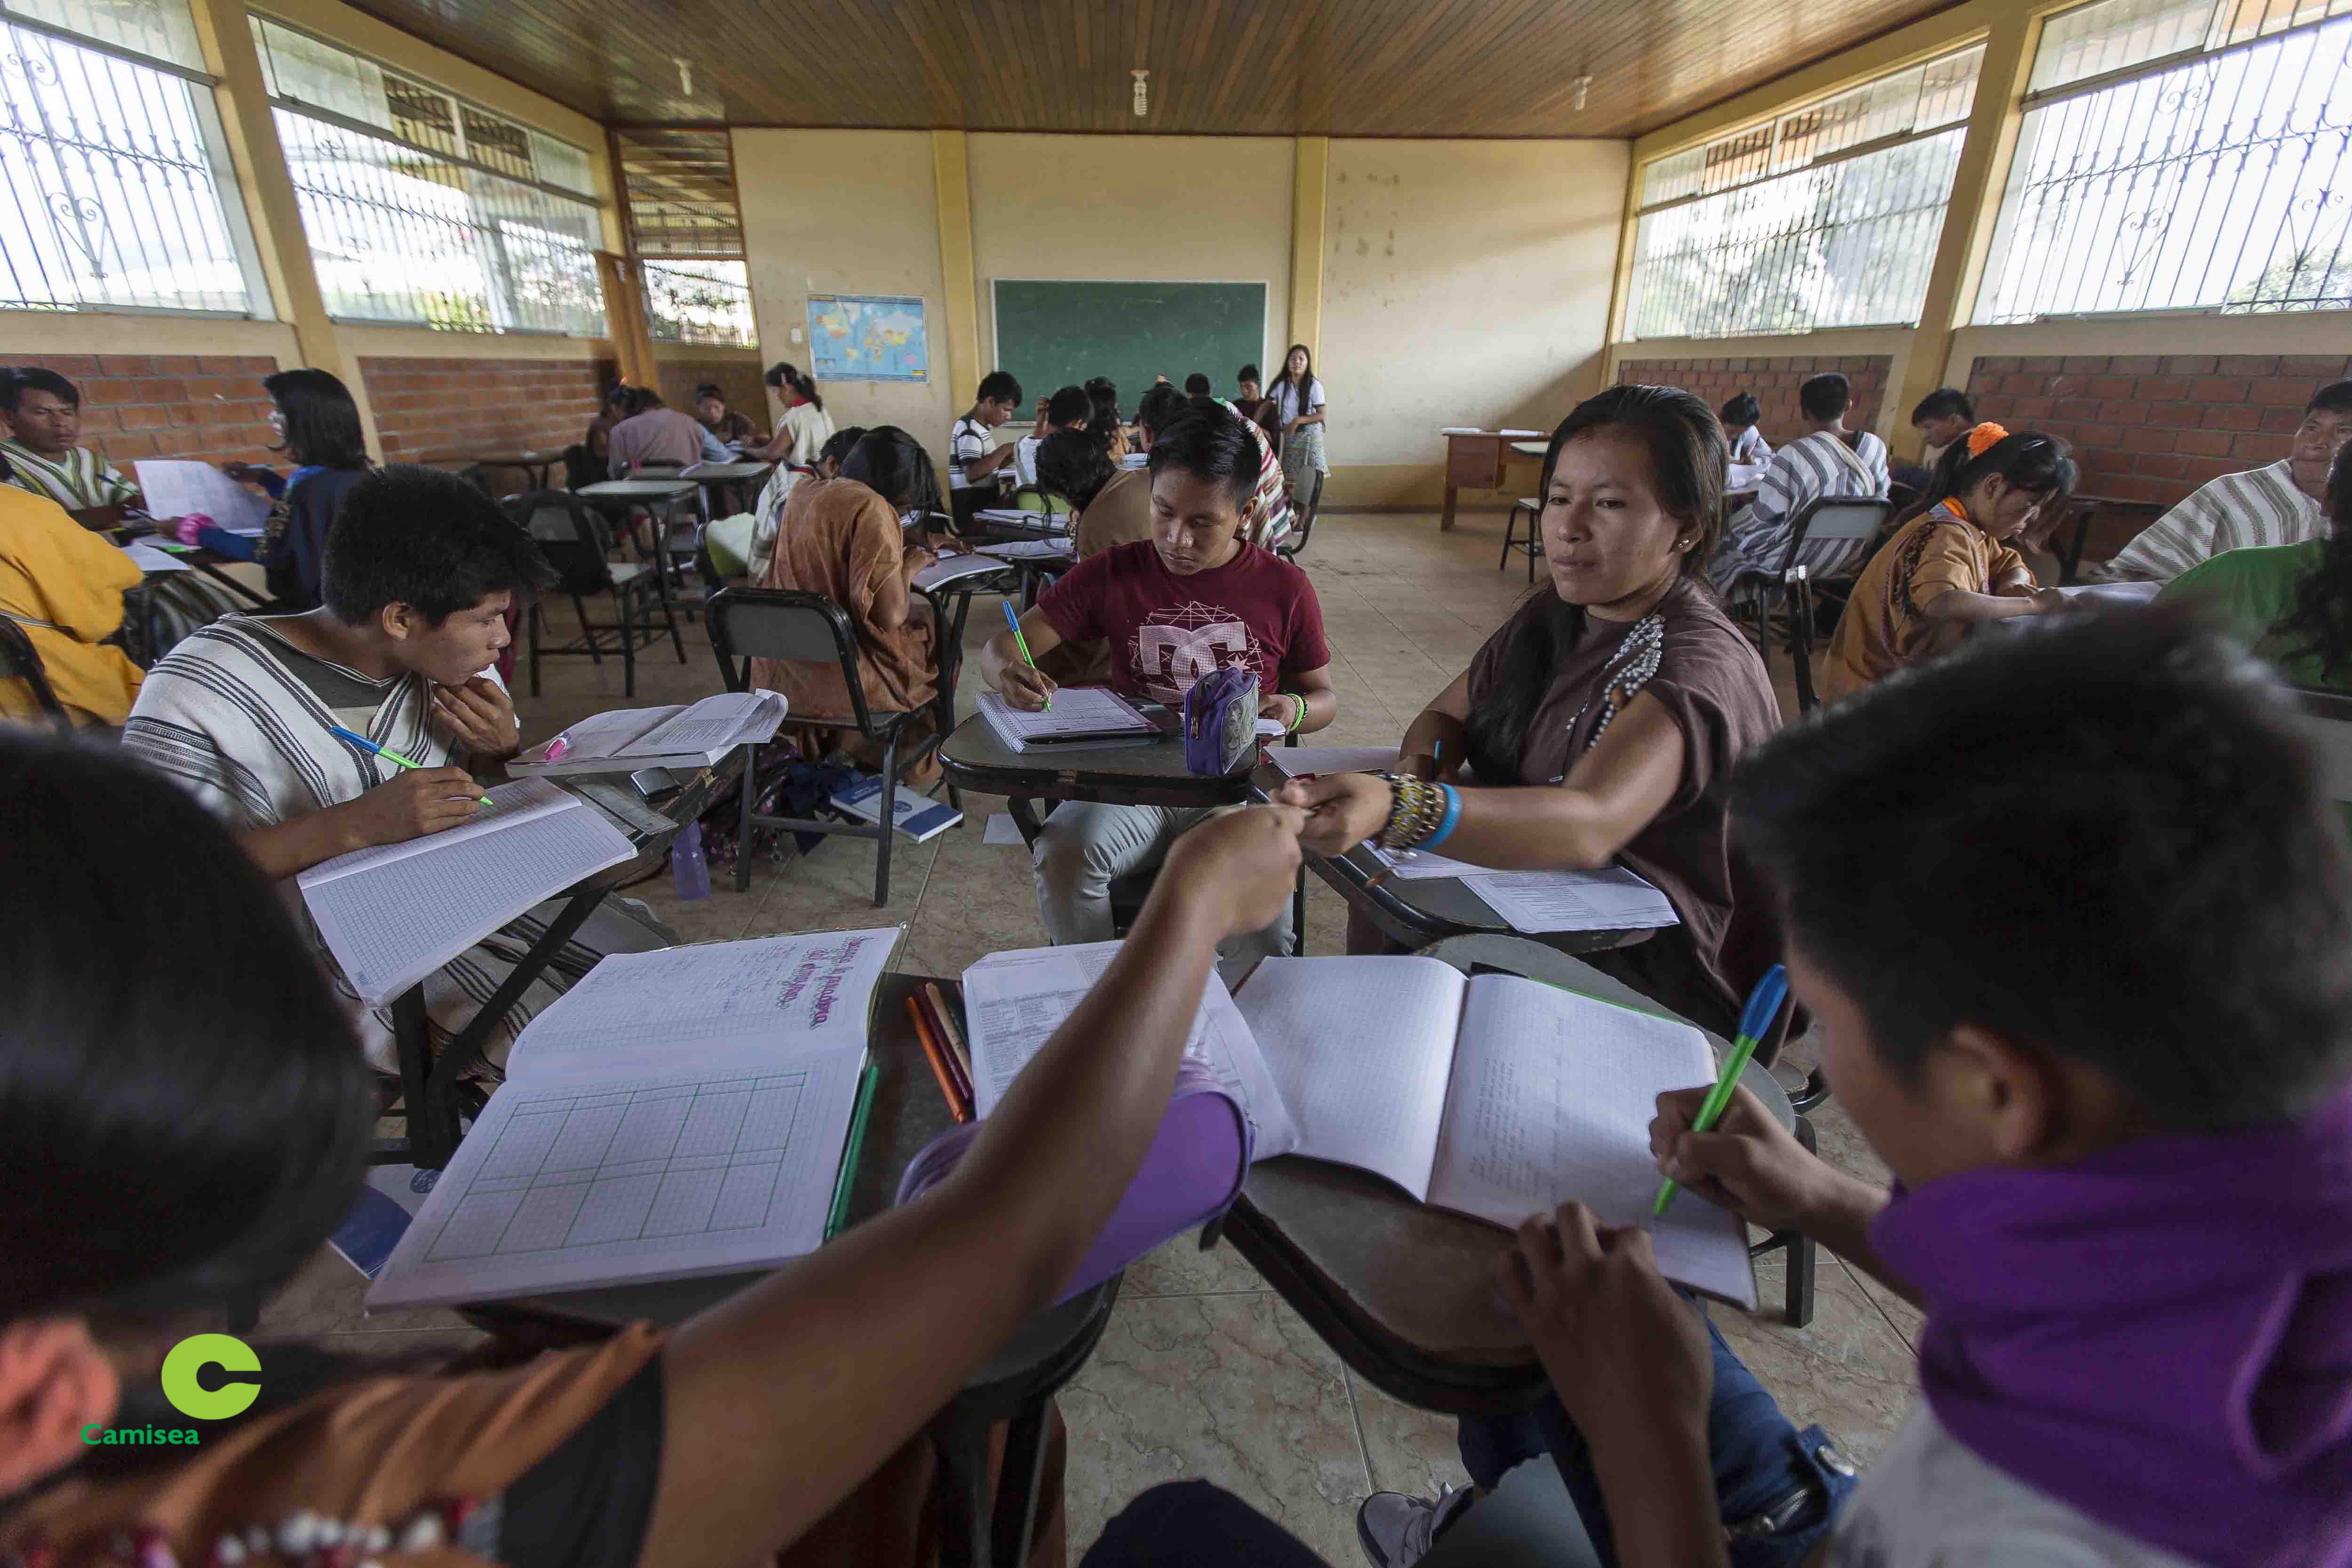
372, 750
1763, 1006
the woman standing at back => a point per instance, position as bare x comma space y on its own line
805, 428
1297, 399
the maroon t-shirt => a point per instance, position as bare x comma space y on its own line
1167, 632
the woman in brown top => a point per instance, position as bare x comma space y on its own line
200, 1121
1622, 691
842, 537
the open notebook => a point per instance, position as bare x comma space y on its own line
394, 914
677, 736
1082, 718
1495, 1096
676, 1113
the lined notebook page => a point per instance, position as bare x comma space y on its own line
685, 1007
708, 726
1360, 1049
392, 924
1076, 710
1013, 1002
510, 802
1551, 1101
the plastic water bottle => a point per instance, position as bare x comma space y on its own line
687, 867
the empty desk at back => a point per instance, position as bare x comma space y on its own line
1475, 460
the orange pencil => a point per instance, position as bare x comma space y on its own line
952, 1037
939, 1063
958, 1073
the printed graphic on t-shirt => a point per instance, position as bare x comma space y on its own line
1176, 647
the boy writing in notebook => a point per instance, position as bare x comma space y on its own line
2113, 1082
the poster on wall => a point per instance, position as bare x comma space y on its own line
867, 337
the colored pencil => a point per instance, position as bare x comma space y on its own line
854, 1152
952, 1035
938, 1062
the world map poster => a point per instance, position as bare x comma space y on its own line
868, 337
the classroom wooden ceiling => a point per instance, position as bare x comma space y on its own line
1347, 67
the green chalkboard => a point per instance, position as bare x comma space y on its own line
1052, 335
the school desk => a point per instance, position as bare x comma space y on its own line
1015, 1385
2088, 507
1418, 911
1405, 1294
533, 466
1535, 450
432, 1088
1475, 461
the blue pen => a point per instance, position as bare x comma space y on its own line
1018, 640
1763, 1006
372, 750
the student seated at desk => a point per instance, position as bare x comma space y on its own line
44, 454
657, 435
2291, 603
2122, 1200
1827, 460
1197, 384
1197, 598
1108, 427
806, 427
1070, 408
63, 586
203, 1126
1599, 721
1952, 567
317, 426
768, 511
726, 426
1249, 396
973, 457
2275, 505
420, 570
1745, 450
843, 538
1943, 418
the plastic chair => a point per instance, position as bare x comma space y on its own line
781, 623
1532, 545
573, 538
20, 661
1854, 520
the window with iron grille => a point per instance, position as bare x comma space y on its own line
678, 188
421, 207
118, 192
2180, 155
1827, 216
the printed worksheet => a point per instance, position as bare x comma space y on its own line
1608, 899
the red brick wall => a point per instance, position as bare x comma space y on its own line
1773, 380
2153, 427
436, 410
739, 379
208, 407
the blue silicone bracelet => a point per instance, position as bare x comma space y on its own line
1444, 824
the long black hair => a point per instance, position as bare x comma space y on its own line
193, 1123
1687, 462
1303, 383
893, 466
783, 373
1104, 396
839, 444
2322, 618
2028, 461
1072, 465
323, 422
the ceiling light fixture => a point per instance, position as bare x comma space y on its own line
1142, 92
1582, 85
685, 75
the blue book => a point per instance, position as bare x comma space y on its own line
913, 812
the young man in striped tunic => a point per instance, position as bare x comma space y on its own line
45, 410
2275, 505
1823, 461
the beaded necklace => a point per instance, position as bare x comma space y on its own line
1629, 669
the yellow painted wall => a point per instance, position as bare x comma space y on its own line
1213, 209
846, 212
1464, 283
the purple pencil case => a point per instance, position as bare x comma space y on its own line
1220, 720
1192, 1174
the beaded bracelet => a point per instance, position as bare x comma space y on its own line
1414, 811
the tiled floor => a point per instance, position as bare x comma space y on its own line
1204, 1372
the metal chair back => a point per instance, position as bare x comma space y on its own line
570, 535
20, 661
790, 624
1849, 519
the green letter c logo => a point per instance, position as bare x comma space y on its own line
198, 1350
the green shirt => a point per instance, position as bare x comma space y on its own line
2251, 591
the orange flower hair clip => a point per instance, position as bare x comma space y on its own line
1981, 438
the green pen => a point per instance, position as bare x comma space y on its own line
1023, 644
372, 750
1763, 1006
849, 1158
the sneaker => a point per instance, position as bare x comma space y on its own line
1397, 1529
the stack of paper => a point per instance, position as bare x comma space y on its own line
629, 739
949, 568
1032, 550
677, 1113
1610, 898
173, 488
1083, 718
151, 559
